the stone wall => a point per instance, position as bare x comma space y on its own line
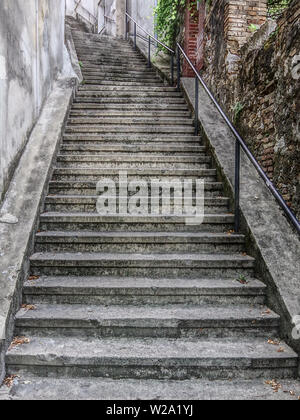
31, 58
255, 74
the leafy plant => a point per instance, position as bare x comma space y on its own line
242, 279
276, 7
237, 110
168, 17
253, 28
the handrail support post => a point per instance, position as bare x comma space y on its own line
172, 69
196, 105
134, 35
178, 69
237, 186
149, 52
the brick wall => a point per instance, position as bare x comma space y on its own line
190, 37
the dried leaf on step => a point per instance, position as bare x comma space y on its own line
276, 386
266, 312
28, 307
18, 341
32, 278
9, 380
280, 350
292, 393
274, 343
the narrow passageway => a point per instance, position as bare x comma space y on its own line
127, 297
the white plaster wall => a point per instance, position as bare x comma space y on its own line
84, 6
143, 12
31, 58
111, 15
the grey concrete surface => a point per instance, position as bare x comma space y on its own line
31, 59
23, 201
34, 388
149, 358
272, 239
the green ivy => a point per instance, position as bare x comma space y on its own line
276, 7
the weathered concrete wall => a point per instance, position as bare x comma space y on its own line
85, 5
143, 12
31, 58
269, 90
255, 75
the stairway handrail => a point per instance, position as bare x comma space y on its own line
240, 143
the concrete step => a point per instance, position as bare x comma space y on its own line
127, 161
67, 187
133, 129
87, 204
142, 291
98, 82
114, 46
96, 78
123, 113
129, 65
167, 321
157, 107
107, 84
134, 157
148, 175
117, 81
121, 82
82, 162
127, 94
138, 242
116, 88
139, 265
135, 150
31, 387
157, 358
133, 139
99, 61
105, 73
142, 101
94, 222
114, 53
119, 53
86, 120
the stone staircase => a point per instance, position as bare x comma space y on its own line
139, 299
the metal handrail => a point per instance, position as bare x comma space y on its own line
240, 143
77, 5
150, 37
109, 18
